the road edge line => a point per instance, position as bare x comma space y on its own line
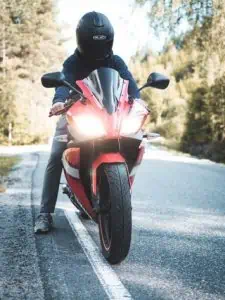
111, 283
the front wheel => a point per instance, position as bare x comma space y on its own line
115, 218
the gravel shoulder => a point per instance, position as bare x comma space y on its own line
19, 272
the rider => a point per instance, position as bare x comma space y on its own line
95, 36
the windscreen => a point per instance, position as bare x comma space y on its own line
106, 85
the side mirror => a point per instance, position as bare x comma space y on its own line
156, 80
56, 79
51, 80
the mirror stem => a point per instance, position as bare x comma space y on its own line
66, 83
144, 86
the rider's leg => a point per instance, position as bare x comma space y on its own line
51, 180
53, 170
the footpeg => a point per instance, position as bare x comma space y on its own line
66, 190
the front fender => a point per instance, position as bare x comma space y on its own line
104, 158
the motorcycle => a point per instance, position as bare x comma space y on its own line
104, 150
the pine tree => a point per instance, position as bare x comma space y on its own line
193, 109
30, 47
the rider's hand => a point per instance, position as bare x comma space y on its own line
56, 108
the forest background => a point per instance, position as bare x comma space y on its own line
190, 115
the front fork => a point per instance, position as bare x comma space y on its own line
104, 158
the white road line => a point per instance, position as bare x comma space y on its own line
107, 276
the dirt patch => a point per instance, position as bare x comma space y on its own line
6, 165
2, 188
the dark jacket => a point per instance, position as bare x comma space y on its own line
76, 68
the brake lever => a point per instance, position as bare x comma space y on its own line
60, 112
68, 104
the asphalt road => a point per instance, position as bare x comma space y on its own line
178, 242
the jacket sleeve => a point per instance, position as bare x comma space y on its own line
122, 68
62, 92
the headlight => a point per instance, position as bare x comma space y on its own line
131, 125
89, 125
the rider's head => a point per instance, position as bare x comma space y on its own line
95, 36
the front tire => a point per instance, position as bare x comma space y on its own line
115, 218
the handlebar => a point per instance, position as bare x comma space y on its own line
74, 99
60, 112
69, 102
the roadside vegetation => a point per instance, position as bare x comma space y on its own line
191, 113
6, 164
30, 45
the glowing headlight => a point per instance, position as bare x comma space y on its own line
89, 125
131, 125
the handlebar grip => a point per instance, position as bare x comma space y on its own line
60, 112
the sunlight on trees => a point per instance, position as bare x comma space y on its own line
29, 46
191, 114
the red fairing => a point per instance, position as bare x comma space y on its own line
112, 127
104, 159
78, 190
92, 106
72, 157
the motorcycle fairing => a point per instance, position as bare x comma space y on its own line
112, 117
106, 85
78, 189
71, 164
112, 122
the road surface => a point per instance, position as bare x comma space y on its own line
178, 241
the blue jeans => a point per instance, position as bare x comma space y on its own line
53, 170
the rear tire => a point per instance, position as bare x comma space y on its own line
115, 218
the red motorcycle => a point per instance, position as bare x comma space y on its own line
104, 151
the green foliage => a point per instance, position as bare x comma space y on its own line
169, 14
6, 164
28, 47
7, 111
191, 112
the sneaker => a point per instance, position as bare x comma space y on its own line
43, 223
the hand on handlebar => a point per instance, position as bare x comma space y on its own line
56, 108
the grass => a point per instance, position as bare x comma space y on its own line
6, 164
